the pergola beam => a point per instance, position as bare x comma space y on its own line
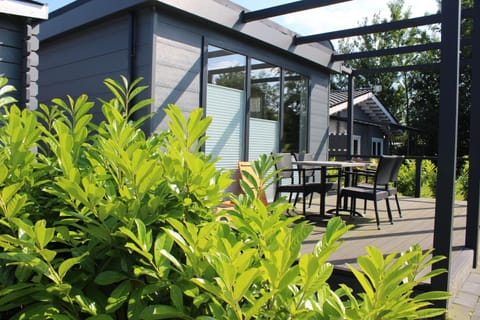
413, 67
395, 51
384, 27
387, 52
286, 8
426, 66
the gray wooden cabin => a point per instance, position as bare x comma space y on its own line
374, 124
188, 52
19, 60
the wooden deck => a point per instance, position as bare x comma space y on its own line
416, 227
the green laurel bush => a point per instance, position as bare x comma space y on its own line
100, 221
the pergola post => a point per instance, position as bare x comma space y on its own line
351, 89
447, 140
473, 208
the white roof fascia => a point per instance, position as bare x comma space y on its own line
385, 111
24, 9
344, 105
369, 95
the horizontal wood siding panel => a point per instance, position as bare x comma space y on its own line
95, 41
11, 52
12, 23
10, 38
177, 50
11, 55
12, 71
110, 63
96, 88
186, 100
79, 61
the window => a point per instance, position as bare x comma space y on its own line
356, 145
226, 105
264, 135
377, 146
277, 117
295, 109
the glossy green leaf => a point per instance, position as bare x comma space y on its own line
243, 283
67, 264
119, 296
109, 277
162, 312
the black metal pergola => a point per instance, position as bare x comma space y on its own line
449, 66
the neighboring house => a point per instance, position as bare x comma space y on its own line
18, 45
373, 124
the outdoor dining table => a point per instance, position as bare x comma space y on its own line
325, 165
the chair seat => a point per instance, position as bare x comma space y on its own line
307, 188
364, 193
392, 190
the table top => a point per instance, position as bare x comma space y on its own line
334, 164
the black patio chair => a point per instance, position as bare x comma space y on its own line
286, 183
379, 190
392, 186
309, 174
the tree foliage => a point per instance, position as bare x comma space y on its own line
412, 96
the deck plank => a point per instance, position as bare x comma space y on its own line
416, 227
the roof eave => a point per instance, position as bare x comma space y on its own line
220, 12
24, 9
362, 98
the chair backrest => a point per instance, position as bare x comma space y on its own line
396, 168
284, 162
384, 170
304, 157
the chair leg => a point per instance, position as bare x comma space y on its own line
353, 206
389, 211
311, 198
296, 199
398, 206
337, 206
365, 207
304, 204
376, 214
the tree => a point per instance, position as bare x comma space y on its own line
426, 99
395, 86
412, 96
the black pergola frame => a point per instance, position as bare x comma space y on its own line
450, 20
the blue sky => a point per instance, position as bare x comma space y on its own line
341, 16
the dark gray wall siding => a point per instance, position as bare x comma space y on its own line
11, 52
168, 56
18, 57
177, 68
79, 61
